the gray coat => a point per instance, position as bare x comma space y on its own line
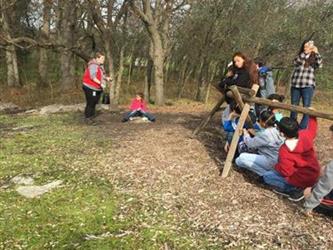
321, 189
266, 143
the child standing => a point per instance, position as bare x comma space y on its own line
138, 108
266, 143
297, 167
321, 196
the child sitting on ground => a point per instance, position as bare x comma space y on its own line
266, 143
276, 98
297, 167
320, 197
138, 109
230, 124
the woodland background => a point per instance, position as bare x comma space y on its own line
169, 49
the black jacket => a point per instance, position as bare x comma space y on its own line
240, 78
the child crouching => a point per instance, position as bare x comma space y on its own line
297, 167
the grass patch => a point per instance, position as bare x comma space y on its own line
85, 212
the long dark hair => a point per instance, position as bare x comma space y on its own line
249, 66
312, 58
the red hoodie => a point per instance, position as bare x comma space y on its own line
300, 166
138, 105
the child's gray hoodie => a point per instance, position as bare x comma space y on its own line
321, 189
266, 142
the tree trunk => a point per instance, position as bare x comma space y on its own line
120, 74
66, 30
130, 67
109, 57
45, 31
13, 78
158, 59
200, 96
148, 79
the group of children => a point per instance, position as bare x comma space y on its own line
283, 156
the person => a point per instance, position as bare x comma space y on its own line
243, 73
229, 124
276, 98
320, 197
138, 108
266, 81
266, 143
297, 167
93, 80
303, 78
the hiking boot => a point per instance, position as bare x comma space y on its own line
296, 195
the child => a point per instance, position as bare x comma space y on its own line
138, 108
266, 80
321, 196
276, 98
297, 167
230, 124
266, 143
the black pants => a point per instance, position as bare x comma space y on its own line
92, 98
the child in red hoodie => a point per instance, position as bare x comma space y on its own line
138, 108
297, 167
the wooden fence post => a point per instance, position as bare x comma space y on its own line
210, 116
235, 138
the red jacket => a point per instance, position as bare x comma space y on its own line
300, 166
87, 78
138, 105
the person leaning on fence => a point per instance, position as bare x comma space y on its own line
320, 197
266, 81
93, 81
303, 78
138, 108
243, 73
297, 167
266, 143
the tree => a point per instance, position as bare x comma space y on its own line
156, 16
13, 78
107, 27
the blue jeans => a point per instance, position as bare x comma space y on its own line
274, 179
306, 94
138, 113
256, 163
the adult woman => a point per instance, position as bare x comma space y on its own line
93, 82
243, 72
303, 78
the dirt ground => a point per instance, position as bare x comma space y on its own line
160, 163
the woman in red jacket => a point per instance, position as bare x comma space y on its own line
93, 81
138, 108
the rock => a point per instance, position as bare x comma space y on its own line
21, 180
36, 191
58, 108
9, 108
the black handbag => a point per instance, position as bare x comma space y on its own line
105, 98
